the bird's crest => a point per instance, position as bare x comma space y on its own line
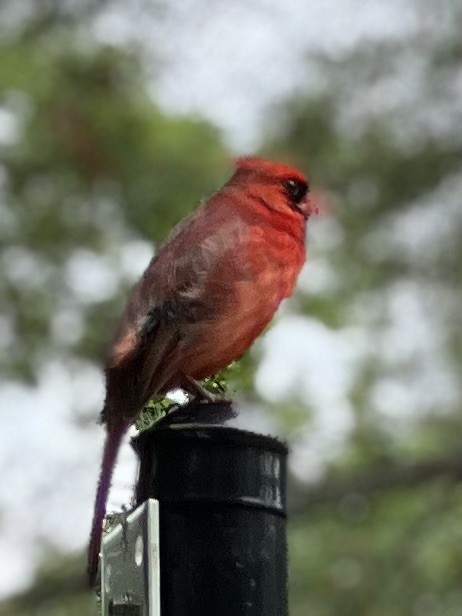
262, 166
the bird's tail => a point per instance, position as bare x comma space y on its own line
111, 449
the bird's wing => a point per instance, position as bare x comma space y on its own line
173, 290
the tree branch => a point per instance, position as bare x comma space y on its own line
379, 479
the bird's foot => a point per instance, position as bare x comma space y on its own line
198, 393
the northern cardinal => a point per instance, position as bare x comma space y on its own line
211, 289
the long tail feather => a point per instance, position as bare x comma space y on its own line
111, 449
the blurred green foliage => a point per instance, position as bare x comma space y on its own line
92, 164
381, 557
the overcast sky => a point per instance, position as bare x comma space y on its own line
233, 61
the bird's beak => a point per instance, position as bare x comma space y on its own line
307, 207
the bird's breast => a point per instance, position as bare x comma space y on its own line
258, 279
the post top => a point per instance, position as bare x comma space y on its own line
206, 434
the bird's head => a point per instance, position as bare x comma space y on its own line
278, 186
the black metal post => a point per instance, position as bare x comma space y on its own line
222, 494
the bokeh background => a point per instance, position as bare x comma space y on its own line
116, 117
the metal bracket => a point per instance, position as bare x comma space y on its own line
125, 609
130, 570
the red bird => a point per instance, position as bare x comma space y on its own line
211, 289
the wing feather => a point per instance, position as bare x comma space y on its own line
173, 293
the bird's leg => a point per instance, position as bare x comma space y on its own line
195, 389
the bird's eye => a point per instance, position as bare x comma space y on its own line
296, 190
